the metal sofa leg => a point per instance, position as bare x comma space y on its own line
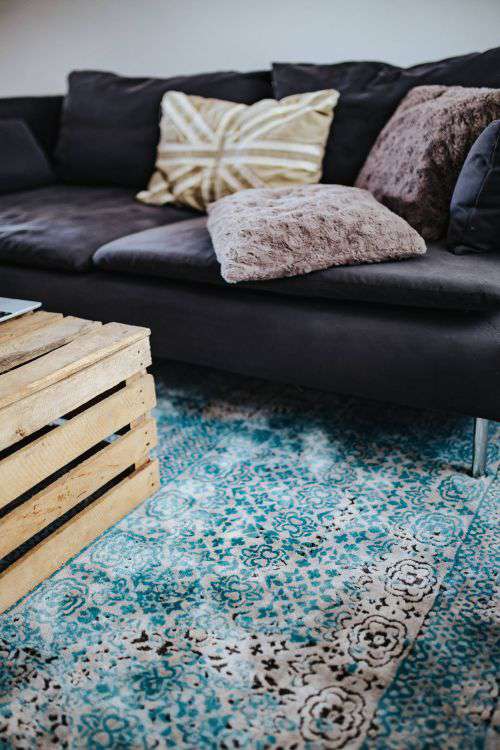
480, 448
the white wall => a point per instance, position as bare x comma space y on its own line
42, 40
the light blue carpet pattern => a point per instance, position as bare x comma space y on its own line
316, 572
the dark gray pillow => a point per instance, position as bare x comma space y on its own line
110, 123
23, 163
475, 205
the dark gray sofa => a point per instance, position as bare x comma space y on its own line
423, 332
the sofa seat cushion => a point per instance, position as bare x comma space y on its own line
182, 252
62, 226
439, 279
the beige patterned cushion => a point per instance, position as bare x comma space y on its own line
210, 148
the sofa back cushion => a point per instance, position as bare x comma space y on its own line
110, 123
41, 114
370, 93
24, 165
475, 205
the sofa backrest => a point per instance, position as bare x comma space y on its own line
42, 114
110, 123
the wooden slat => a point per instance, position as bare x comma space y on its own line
78, 484
77, 533
23, 469
40, 409
27, 324
136, 422
21, 349
67, 360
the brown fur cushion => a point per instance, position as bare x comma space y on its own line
270, 233
415, 162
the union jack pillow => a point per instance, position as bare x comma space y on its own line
210, 148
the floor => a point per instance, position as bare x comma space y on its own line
317, 571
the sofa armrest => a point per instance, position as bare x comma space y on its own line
42, 114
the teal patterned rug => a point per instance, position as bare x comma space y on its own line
316, 572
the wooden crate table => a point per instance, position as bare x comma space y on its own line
75, 439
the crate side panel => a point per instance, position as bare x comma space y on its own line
77, 533
22, 418
35, 514
24, 469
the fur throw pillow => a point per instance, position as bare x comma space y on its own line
271, 233
415, 162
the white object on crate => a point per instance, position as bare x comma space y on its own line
11, 308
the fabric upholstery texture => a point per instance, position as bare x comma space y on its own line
23, 164
269, 234
110, 123
438, 279
369, 94
210, 148
42, 115
181, 251
475, 205
61, 226
446, 359
416, 160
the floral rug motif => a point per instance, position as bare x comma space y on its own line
316, 572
